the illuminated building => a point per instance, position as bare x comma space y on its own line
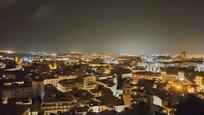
107, 71
2, 65
55, 80
144, 75
7, 51
183, 55
97, 65
27, 59
17, 60
172, 76
199, 80
200, 68
200, 95
51, 80
54, 103
97, 108
163, 58
127, 75
104, 77
119, 108
69, 85
15, 90
89, 82
191, 89
178, 87
37, 87
149, 64
135, 78
53, 66
127, 96
111, 61
95, 92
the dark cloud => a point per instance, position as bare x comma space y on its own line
5, 3
44, 11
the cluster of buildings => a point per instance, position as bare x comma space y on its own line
87, 84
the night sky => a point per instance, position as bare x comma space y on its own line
102, 26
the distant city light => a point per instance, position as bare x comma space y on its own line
10, 52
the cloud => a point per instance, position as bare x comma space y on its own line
44, 11
5, 3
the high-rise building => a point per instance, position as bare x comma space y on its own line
37, 87
127, 96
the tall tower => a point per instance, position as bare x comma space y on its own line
127, 96
183, 55
38, 87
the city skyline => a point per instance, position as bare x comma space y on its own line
119, 27
101, 57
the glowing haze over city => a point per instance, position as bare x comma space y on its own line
102, 26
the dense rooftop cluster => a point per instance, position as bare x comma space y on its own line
93, 84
